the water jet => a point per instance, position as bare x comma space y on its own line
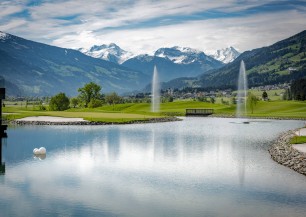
241, 110
155, 100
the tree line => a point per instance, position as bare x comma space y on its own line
90, 96
297, 91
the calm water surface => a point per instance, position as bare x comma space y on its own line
196, 167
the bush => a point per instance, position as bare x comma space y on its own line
59, 102
74, 102
94, 103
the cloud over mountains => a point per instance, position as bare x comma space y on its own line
144, 26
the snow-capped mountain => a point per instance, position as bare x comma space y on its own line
184, 55
110, 52
173, 63
225, 55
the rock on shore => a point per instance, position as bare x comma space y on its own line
283, 153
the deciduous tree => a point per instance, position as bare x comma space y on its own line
59, 102
88, 92
252, 101
112, 98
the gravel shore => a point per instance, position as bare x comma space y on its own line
282, 152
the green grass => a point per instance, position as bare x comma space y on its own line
87, 114
298, 140
141, 111
281, 109
272, 94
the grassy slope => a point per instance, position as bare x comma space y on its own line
282, 109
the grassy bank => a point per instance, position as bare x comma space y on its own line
141, 111
298, 140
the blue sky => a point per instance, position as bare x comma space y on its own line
144, 26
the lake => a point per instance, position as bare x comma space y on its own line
195, 167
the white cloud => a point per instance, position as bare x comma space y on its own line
243, 33
98, 22
11, 25
8, 8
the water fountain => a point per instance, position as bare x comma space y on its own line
241, 110
155, 100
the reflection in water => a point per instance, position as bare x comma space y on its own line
113, 143
40, 156
2, 164
197, 167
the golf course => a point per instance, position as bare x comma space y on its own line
127, 112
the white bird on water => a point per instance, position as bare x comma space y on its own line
41, 150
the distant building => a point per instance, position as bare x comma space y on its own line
292, 69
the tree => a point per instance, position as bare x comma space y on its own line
212, 100
74, 102
112, 98
265, 95
59, 102
298, 89
287, 95
88, 92
252, 101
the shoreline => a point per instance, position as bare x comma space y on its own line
271, 118
152, 120
283, 153
88, 123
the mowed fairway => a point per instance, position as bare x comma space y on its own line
142, 111
94, 115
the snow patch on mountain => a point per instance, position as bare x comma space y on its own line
225, 55
110, 52
3, 36
182, 55
144, 57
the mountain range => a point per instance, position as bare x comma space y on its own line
174, 62
113, 53
36, 69
281, 62
171, 62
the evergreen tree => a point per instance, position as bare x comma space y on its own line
264, 95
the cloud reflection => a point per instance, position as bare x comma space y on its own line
153, 170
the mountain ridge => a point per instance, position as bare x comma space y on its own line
40, 69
